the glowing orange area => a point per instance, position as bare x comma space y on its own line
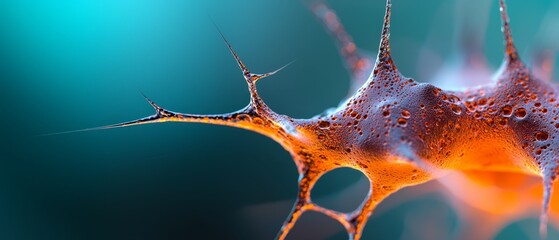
490, 145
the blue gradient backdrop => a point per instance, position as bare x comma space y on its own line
69, 65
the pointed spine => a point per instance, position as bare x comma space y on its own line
511, 54
256, 116
250, 77
384, 59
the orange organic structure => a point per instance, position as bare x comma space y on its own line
399, 133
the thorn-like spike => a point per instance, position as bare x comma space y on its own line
384, 48
256, 77
250, 78
76, 131
159, 110
384, 59
240, 119
146, 120
246, 73
151, 119
510, 50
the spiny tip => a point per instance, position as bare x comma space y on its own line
250, 78
510, 50
160, 112
384, 59
152, 103
384, 42
246, 73
160, 115
72, 131
118, 125
255, 77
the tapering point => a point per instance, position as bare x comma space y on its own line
246, 73
72, 131
250, 78
384, 59
284, 66
152, 103
256, 77
510, 50
160, 112
384, 42
118, 125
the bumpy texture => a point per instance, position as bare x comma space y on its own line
399, 132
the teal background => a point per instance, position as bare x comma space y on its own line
69, 65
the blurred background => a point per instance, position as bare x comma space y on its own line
69, 65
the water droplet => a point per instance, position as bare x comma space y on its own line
542, 136
482, 102
506, 111
323, 124
386, 113
477, 115
538, 152
538, 104
520, 113
402, 122
456, 109
406, 113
